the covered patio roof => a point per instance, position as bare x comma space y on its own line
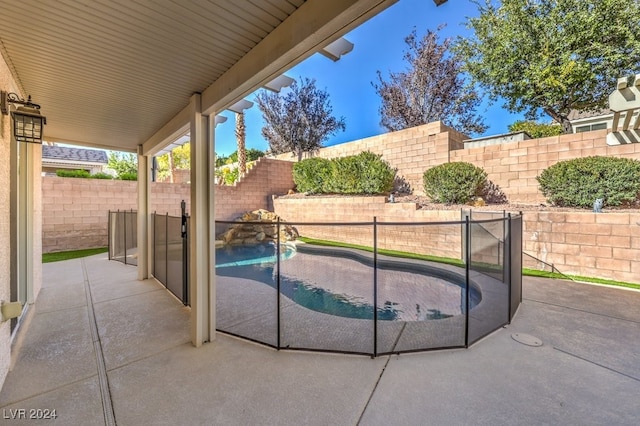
120, 74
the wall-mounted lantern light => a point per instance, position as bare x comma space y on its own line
27, 121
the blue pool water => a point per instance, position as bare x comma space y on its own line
251, 255
258, 263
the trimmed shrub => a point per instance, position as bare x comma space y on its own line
580, 181
101, 175
128, 176
312, 175
454, 183
365, 173
73, 173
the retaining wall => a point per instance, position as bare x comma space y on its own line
513, 166
604, 245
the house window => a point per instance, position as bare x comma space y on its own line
590, 127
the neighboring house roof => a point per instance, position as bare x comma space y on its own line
54, 153
579, 115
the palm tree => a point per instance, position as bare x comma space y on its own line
240, 139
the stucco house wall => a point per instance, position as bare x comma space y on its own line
8, 83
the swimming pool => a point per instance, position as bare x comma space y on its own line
340, 282
227, 256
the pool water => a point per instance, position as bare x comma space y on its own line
317, 284
251, 255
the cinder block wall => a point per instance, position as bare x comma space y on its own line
512, 166
75, 211
604, 245
254, 191
437, 240
411, 151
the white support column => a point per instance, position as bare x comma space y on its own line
212, 226
144, 224
200, 267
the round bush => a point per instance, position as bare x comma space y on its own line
579, 182
311, 175
365, 173
454, 183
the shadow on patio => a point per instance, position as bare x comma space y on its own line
100, 347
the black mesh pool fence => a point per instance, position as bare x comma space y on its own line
369, 288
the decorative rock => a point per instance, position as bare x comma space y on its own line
257, 233
478, 202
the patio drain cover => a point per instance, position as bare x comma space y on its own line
526, 339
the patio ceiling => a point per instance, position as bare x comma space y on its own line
120, 73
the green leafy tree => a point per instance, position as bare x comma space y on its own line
536, 130
431, 89
552, 56
177, 158
123, 163
252, 155
299, 121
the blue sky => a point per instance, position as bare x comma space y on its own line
379, 45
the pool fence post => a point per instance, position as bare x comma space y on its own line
278, 280
185, 259
155, 248
124, 227
375, 287
166, 250
507, 264
467, 255
109, 233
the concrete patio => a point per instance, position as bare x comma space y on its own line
101, 347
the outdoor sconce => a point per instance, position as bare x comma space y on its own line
27, 121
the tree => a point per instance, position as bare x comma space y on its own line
552, 56
536, 130
251, 153
431, 89
177, 158
240, 139
300, 121
124, 164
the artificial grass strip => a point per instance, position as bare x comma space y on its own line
72, 254
385, 252
456, 262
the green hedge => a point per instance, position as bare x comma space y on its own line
101, 175
73, 173
365, 173
454, 183
579, 182
82, 174
128, 176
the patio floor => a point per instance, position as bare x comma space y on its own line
100, 347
